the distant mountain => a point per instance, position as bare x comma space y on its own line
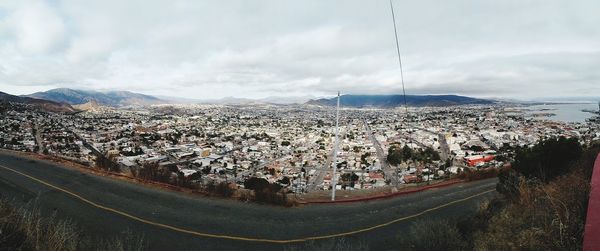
46, 105
287, 100
390, 101
109, 98
277, 100
231, 101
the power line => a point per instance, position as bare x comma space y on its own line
399, 57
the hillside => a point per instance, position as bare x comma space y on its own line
109, 98
390, 101
92, 106
46, 105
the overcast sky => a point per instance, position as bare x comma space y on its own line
212, 49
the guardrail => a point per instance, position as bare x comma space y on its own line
591, 236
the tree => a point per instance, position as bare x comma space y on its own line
397, 155
153, 171
256, 184
448, 163
346, 177
548, 159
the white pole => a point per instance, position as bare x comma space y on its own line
335, 148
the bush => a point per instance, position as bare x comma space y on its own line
27, 229
542, 209
548, 159
268, 196
433, 235
480, 174
255, 184
152, 171
545, 217
332, 244
222, 189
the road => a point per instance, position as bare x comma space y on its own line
390, 173
38, 138
320, 173
185, 217
445, 149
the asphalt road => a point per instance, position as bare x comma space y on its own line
221, 216
390, 173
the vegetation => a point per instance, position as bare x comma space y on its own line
543, 205
332, 244
433, 235
548, 159
27, 229
397, 155
267, 193
104, 163
479, 174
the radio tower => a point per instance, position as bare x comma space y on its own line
335, 148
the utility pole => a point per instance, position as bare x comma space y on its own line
335, 148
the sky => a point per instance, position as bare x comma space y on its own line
255, 49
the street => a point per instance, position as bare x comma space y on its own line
21, 181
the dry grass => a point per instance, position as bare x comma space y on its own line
544, 217
25, 228
333, 244
533, 214
442, 235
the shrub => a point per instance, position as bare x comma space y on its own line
332, 244
268, 196
548, 159
222, 189
26, 229
433, 235
543, 216
480, 174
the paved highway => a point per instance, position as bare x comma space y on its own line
104, 207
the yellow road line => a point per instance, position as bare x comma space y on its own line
240, 238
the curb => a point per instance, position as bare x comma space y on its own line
385, 196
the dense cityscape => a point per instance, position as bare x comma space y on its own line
291, 145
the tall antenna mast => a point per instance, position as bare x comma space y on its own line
399, 57
335, 148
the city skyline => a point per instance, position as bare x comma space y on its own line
213, 50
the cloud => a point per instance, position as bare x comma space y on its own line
211, 49
36, 27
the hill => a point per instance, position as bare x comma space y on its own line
46, 105
109, 98
390, 101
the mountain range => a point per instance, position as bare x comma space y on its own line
40, 103
67, 100
108, 98
390, 101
